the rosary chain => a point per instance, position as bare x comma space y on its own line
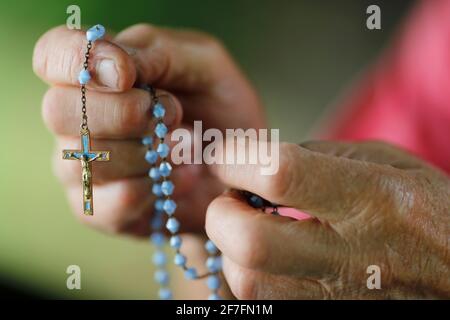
84, 118
167, 197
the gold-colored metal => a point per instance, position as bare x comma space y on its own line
86, 156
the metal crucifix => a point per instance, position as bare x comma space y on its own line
86, 156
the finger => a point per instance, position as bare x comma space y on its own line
126, 206
325, 186
370, 151
270, 243
175, 59
248, 284
127, 161
121, 115
59, 55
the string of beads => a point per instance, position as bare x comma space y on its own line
163, 189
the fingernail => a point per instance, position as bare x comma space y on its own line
107, 73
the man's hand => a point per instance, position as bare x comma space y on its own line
192, 68
371, 204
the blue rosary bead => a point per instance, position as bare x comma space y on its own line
256, 201
163, 150
151, 156
165, 169
211, 247
167, 187
157, 223
159, 204
84, 76
148, 141
179, 260
154, 174
156, 189
169, 207
190, 273
213, 282
214, 296
173, 225
157, 239
165, 294
162, 277
159, 258
96, 32
175, 242
214, 264
161, 130
158, 110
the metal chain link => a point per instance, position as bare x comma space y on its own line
84, 118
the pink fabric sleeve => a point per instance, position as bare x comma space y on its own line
405, 98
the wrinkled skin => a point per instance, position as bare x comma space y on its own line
384, 207
371, 204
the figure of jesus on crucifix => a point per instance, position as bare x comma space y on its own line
86, 174
86, 156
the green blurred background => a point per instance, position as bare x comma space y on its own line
299, 54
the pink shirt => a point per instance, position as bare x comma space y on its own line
404, 98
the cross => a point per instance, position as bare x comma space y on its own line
86, 156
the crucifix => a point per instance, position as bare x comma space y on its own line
86, 156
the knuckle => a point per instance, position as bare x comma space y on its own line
67, 60
243, 286
253, 251
65, 171
213, 213
215, 47
132, 115
406, 193
377, 144
49, 109
115, 225
214, 206
56, 167
127, 195
144, 29
280, 185
39, 57
41, 52
213, 42
208, 42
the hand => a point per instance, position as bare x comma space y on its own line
202, 82
371, 204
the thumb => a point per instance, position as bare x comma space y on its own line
325, 186
270, 243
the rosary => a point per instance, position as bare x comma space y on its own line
159, 173
85, 155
